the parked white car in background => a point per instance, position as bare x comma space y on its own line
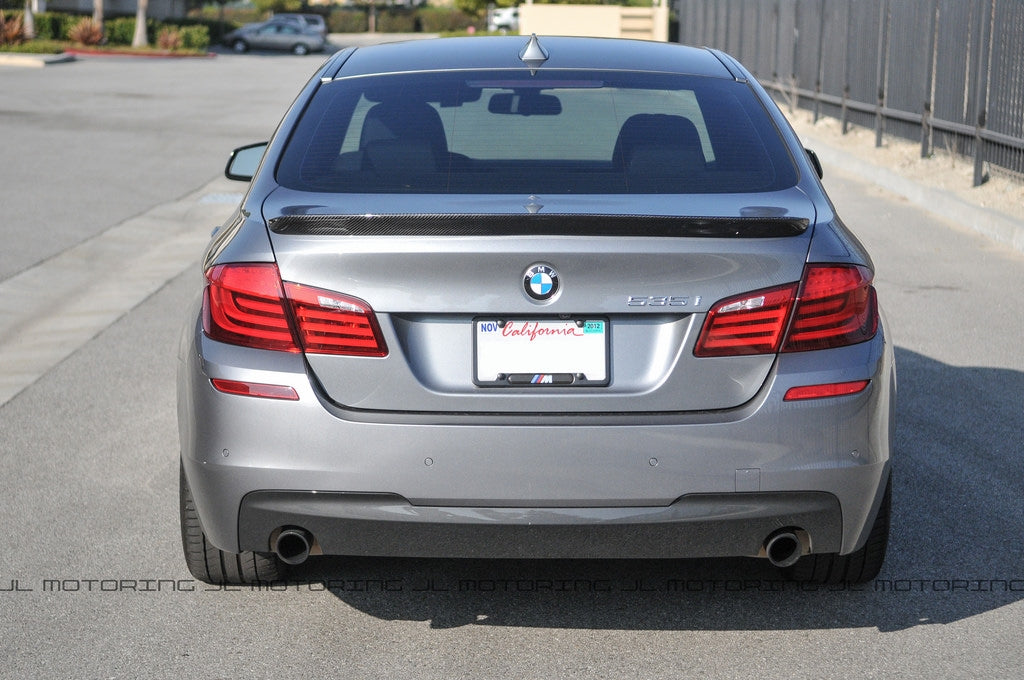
503, 19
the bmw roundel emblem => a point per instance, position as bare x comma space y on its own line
541, 282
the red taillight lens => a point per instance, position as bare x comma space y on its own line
330, 323
247, 304
747, 324
836, 306
244, 306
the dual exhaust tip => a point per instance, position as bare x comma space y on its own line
782, 548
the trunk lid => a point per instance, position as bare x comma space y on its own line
430, 275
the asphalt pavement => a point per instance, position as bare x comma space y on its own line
109, 169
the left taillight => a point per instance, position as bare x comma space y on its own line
331, 323
747, 324
249, 305
832, 306
244, 305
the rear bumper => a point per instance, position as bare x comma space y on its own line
699, 525
679, 485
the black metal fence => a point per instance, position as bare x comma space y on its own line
949, 73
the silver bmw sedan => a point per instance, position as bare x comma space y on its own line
534, 298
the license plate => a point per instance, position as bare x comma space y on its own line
529, 353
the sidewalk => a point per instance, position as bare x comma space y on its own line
51, 309
941, 185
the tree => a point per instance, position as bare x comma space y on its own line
97, 13
28, 25
140, 39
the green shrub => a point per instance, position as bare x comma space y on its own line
195, 37
347, 21
54, 25
396, 21
49, 25
214, 29
120, 31
442, 19
35, 47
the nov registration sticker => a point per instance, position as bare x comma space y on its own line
538, 353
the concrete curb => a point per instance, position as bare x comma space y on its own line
51, 309
34, 60
997, 226
87, 52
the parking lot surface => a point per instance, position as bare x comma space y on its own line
110, 169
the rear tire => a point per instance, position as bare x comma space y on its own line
212, 565
240, 47
857, 567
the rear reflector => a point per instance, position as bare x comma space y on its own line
248, 389
248, 305
822, 391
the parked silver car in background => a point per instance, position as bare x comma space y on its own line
311, 21
277, 34
556, 298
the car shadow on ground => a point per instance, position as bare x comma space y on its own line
954, 550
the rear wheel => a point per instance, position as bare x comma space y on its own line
240, 46
211, 565
300, 49
857, 567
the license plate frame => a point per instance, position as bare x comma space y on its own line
541, 352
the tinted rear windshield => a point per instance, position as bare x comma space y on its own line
501, 132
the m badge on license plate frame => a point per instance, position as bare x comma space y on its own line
541, 352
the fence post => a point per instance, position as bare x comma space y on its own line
882, 72
821, 62
778, 43
843, 122
929, 92
759, 57
981, 93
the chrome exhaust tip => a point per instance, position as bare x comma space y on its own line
783, 548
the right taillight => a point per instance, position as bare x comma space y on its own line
249, 305
832, 306
837, 307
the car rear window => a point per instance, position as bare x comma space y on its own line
501, 132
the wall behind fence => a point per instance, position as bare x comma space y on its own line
949, 73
